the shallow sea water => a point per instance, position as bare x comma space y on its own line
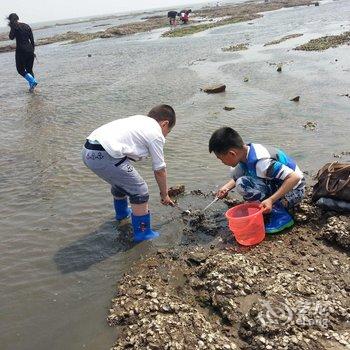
60, 257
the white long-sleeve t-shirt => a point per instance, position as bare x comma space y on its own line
136, 137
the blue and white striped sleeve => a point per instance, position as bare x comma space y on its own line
272, 169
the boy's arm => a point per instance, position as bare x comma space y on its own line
31, 37
224, 190
12, 34
288, 184
235, 173
161, 178
159, 167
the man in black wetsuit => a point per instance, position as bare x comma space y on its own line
24, 49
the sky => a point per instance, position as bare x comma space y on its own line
33, 11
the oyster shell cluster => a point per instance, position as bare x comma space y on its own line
337, 230
291, 292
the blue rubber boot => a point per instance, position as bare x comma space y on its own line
31, 81
122, 211
142, 228
279, 219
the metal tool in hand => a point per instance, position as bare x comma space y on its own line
211, 203
183, 211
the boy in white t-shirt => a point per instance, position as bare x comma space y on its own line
109, 151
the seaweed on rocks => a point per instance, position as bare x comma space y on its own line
238, 47
325, 42
287, 37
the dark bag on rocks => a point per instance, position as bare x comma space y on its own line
334, 205
333, 182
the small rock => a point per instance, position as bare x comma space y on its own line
317, 3
213, 89
311, 125
233, 48
295, 99
89, 55
229, 108
201, 344
311, 269
174, 191
246, 79
106, 35
279, 68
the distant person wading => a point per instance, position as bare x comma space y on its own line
24, 49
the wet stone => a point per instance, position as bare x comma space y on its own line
310, 125
175, 191
295, 99
213, 89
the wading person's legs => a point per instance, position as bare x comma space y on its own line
126, 182
20, 65
29, 62
24, 62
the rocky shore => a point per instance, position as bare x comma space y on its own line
325, 42
289, 292
201, 20
229, 14
287, 37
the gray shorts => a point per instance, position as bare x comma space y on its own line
119, 173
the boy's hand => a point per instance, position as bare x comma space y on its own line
222, 193
266, 205
166, 200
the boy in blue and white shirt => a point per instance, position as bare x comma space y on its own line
260, 173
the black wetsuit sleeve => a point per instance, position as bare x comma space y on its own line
31, 37
12, 34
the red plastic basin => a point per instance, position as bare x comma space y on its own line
246, 223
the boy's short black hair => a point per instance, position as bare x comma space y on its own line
223, 139
163, 112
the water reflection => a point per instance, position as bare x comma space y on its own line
93, 248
